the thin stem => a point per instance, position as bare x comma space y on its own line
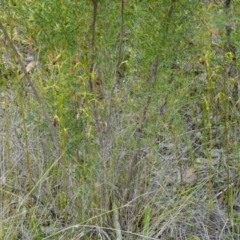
32, 86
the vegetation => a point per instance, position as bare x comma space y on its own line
119, 119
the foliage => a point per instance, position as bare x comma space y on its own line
123, 122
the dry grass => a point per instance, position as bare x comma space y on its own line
111, 144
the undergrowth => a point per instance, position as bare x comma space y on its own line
119, 120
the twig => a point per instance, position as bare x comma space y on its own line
32, 86
92, 60
151, 77
120, 49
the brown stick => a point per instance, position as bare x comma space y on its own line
133, 161
32, 86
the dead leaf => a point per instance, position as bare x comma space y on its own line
190, 175
190, 171
30, 66
212, 30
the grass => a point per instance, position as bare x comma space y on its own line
127, 127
